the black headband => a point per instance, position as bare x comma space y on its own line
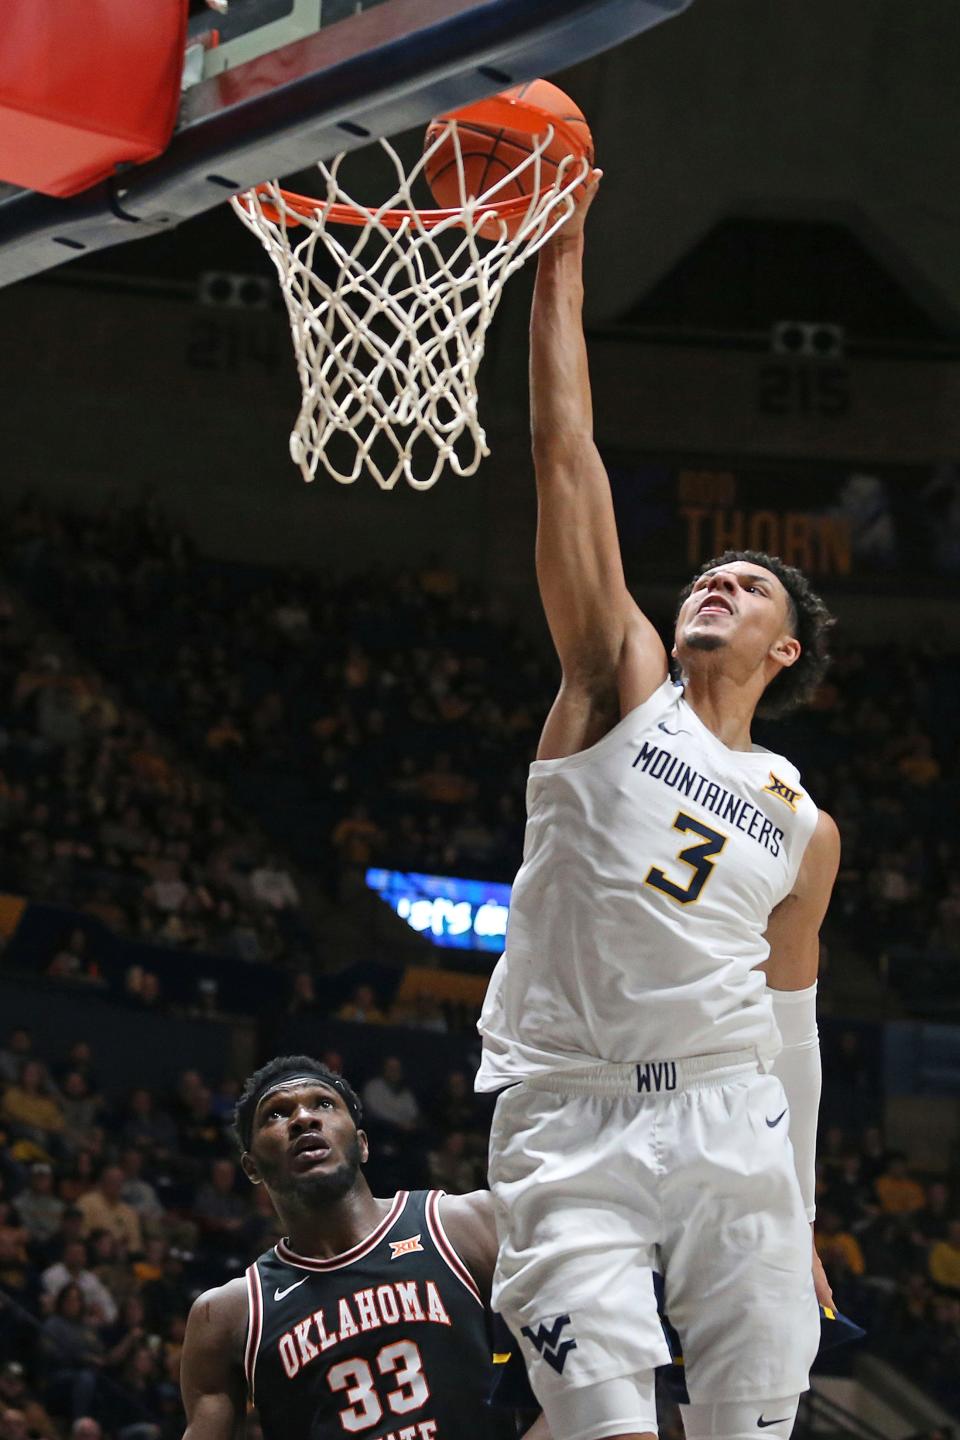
292, 1077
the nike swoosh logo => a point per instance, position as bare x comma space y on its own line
761, 1423
279, 1294
771, 1124
678, 731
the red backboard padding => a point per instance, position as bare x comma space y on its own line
86, 86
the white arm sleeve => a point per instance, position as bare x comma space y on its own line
797, 1067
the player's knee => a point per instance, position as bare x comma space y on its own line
741, 1419
623, 1408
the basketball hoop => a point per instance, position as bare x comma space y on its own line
389, 337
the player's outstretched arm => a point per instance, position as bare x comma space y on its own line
211, 1370
611, 656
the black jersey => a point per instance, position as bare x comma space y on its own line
387, 1341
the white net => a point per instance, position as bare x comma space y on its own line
389, 320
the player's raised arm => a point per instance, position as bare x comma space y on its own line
211, 1370
612, 658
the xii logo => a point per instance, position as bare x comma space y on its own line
782, 792
405, 1247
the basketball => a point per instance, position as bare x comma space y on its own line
490, 152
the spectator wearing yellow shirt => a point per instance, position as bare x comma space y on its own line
362, 1008
838, 1249
32, 1111
103, 1209
898, 1192
150, 1266
919, 766
442, 784
943, 1263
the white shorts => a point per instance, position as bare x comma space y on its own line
603, 1176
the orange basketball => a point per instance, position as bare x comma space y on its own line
491, 152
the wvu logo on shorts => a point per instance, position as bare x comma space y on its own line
783, 792
546, 1341
655, 1076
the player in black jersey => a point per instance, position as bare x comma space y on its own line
369, 1319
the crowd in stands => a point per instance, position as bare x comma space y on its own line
388, 718
117, 1210
96, 810
890, 1243
384, 719
875, 752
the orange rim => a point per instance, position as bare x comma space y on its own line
502, 111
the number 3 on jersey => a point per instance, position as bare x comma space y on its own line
701, 858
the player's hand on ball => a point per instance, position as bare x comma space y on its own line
820, 1282
575, 224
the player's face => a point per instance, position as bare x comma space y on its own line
305, 1145
738, 607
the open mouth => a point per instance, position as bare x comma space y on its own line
715, 605
310, 1148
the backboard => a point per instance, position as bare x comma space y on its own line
294, 81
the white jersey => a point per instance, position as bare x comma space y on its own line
651, 864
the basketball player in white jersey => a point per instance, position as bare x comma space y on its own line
652, 1023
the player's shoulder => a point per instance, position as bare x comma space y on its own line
469, 1223
214, 1343
219, 1315
225, 1299
821, 859
826, 837
473, 1210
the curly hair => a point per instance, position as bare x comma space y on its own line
294, 1067
810, 623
